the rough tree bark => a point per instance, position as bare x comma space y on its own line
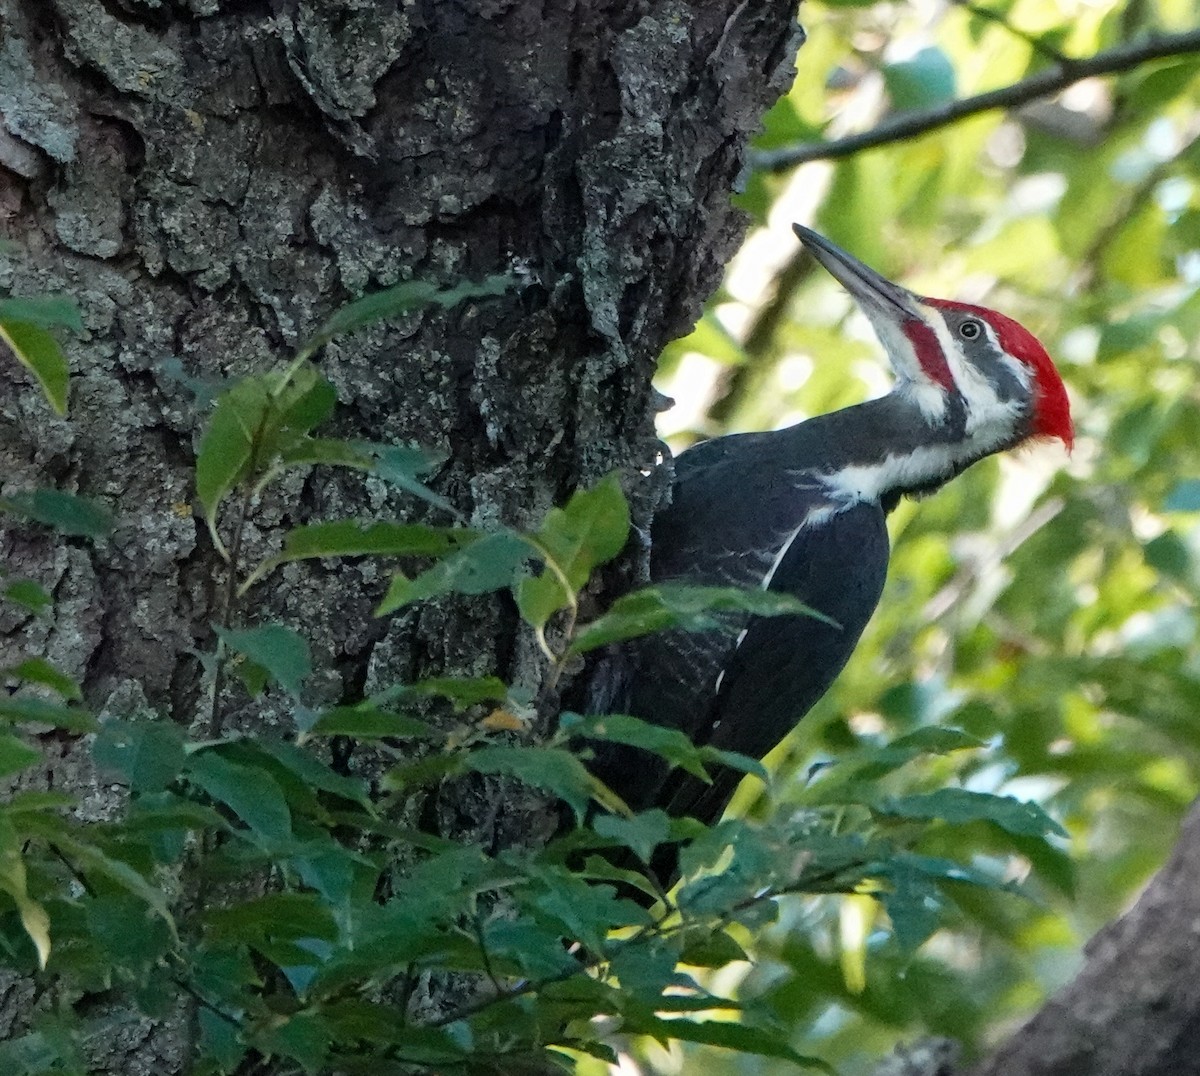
209, 180
1134, 1008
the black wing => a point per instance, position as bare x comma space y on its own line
738, 516
783, 665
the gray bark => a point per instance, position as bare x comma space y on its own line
1134, 1008
209, 180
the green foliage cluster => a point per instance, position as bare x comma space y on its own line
287, 904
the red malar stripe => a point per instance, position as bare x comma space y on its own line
929, 353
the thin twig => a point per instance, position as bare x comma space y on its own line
819, 882
1130, 205
1036, 43
1043, 84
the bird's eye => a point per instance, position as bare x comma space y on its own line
970, 329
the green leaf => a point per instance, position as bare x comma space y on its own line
91, 859
958, 805
41, 712
646, 967
463, 691
488, 564
573, 541
275, 915
38, 351
37, 802
872, 762
670, 744
34, 919
15, 754
913, 906
26, 592
401, 299
166, 822
284, 653
255, 423
585, 912
313, 773
684, 607
941, 869
310, 451
642, 832
47, 311
400, 465
535, 949
304, 1037
757, 1041
250, 792
65, 512
551, 769
40, 671
924, 81
1169, 555
54, 1048
713, 951
597, 868
367, 722
220, 1038
228, 445
148, 754
132, 939
302, 399
346, 538
424, 771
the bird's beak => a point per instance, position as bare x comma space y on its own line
875, 294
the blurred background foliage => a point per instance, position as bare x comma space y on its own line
1045, 604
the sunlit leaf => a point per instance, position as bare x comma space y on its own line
589, 531
34, 919
41, 354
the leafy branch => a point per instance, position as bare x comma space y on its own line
1066, 72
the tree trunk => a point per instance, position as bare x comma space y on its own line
209, 181
1134, 1009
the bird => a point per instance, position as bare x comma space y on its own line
803, 511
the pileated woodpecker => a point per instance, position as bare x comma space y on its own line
803, 510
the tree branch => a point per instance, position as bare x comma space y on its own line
1132, 1008
1044, 83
